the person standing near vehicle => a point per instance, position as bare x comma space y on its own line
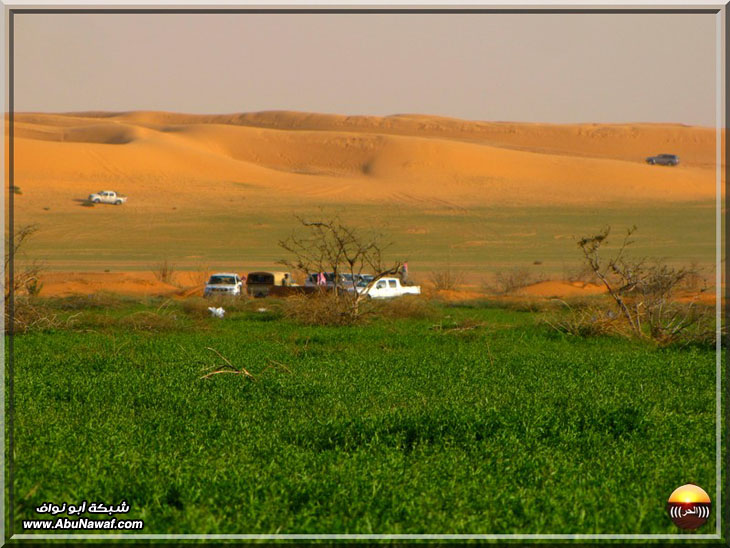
404, 273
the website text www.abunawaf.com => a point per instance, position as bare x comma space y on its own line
83, 523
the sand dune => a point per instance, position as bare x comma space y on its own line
625, 141
359, 159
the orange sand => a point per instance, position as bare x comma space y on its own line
413, 159
61, 284
190, 284
561, 289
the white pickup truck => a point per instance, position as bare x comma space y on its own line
387, 288
107, 197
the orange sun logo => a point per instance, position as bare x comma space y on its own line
689, 506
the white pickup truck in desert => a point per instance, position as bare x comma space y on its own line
387, 288
107, 197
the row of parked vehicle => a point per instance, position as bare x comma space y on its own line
260, 284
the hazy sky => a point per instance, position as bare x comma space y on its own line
524, 67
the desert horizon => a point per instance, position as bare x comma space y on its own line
209, 191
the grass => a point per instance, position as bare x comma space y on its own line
479, 241
466, 420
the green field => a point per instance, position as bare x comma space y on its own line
479, 241
462, 419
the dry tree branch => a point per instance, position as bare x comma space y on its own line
234, 370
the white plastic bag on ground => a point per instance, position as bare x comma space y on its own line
216, 312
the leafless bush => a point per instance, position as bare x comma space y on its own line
22, 278
33, 314
509, 281
25, 275
331, 246
448, 279
586, 321
684, 323
643, 290
164, 272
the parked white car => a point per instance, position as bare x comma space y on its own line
107, 197
387, 288
223, 283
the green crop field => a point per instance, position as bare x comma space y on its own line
478, 241
461, 419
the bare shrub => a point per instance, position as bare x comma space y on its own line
22, 278
164, 272
509, 281
25, 275
683, 323
642, 290
331, 246
33, 314
586, 321
447, 279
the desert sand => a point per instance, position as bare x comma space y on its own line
412, 159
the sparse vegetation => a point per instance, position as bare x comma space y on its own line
201, 275
21, 276
447, 279
164, 272
643, 290
33, 314
585, 321
509, 281
324, 308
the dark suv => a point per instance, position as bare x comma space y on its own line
663, 159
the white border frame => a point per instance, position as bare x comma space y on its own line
473, 4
